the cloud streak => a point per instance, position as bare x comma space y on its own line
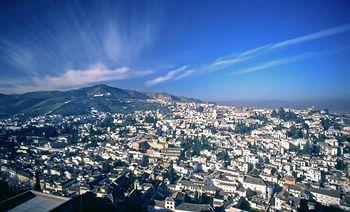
16, 55
95, 74
238, 58
170, 75
74, 78
313, 36
279, 62
59, 38
272, 63
56, 56
251, 53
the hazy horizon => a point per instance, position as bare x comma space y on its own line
335, 105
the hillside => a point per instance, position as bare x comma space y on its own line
169, 97
80, 101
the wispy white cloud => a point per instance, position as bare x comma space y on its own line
73, 78
120, 44
95, 74
184, 74
313, 36
251, 53
170, 75
71, 37
282, 61
231, 60
16, 55
271, 64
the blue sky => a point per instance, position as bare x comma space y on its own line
213, 50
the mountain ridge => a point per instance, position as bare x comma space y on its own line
80, 101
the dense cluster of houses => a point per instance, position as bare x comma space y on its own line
197, 157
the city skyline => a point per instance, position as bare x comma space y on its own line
217, 51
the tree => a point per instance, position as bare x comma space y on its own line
274, 113
223, 156
196, 197
7, 190
306, 147
151, 120
171, 173
340, 165
200, 109
195, 146
326, 123
294, 132
37, 186
305, 126
130, 120
107, 122
281, 113
242, 129
288, 116
278, 127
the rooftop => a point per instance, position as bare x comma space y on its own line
32, 201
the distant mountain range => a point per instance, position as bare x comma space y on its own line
80, 101
341, 106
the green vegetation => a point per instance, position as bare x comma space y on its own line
241, 128
260, 117
286, 115
223, 155
194, 146
328, 123
7, 191
295, 133
150, 119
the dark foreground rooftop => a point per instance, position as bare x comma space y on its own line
32, 201
86, 202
